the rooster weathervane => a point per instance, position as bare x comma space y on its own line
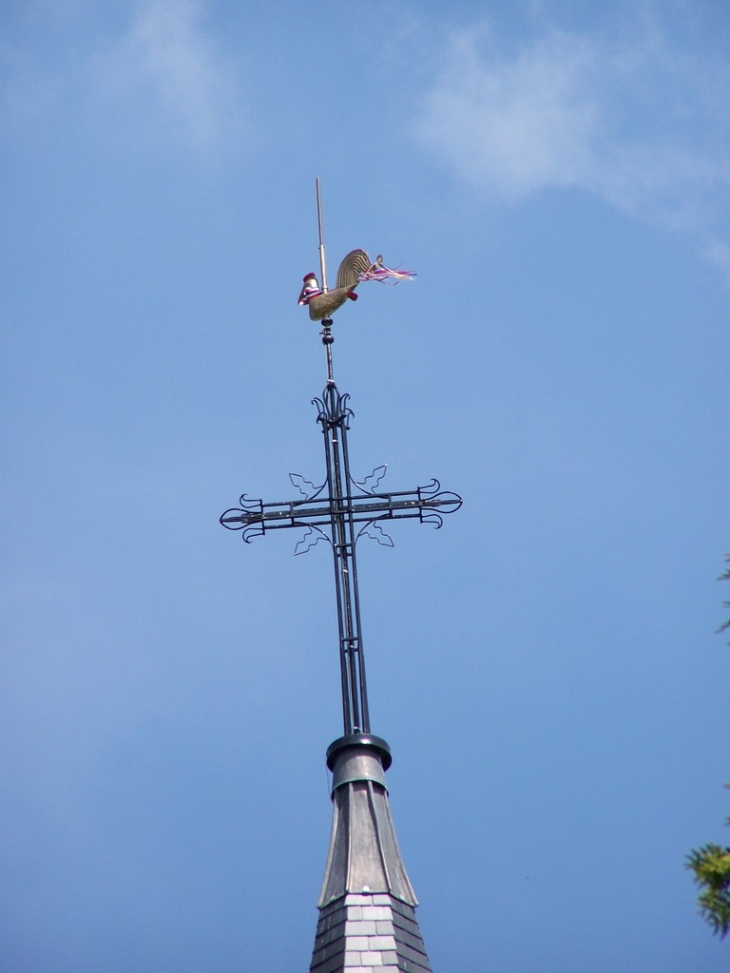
356, 268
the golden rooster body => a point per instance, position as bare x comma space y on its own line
355, 267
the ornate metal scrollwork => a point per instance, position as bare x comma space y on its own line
318, 536
298, 481
248, 518
376, 533
376, 476
333, 408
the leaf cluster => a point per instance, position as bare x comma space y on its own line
711, 865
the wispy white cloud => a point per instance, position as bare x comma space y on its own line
513, 127
167, 76
149, 74
718, 253
638, 122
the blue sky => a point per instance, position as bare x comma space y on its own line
546, 667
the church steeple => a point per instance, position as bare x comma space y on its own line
367, 905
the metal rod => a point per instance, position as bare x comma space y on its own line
344, 661
334, 418
344, 552
327, 341
364, 708
322, 266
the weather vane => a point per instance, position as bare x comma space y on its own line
355, 268
342, 510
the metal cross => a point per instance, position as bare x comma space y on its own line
342, 510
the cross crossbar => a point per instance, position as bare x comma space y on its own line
255, 517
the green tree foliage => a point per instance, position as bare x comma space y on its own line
711, 865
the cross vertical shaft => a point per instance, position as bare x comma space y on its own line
333, 417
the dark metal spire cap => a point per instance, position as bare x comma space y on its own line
367, 740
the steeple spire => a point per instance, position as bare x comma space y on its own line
367, 903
